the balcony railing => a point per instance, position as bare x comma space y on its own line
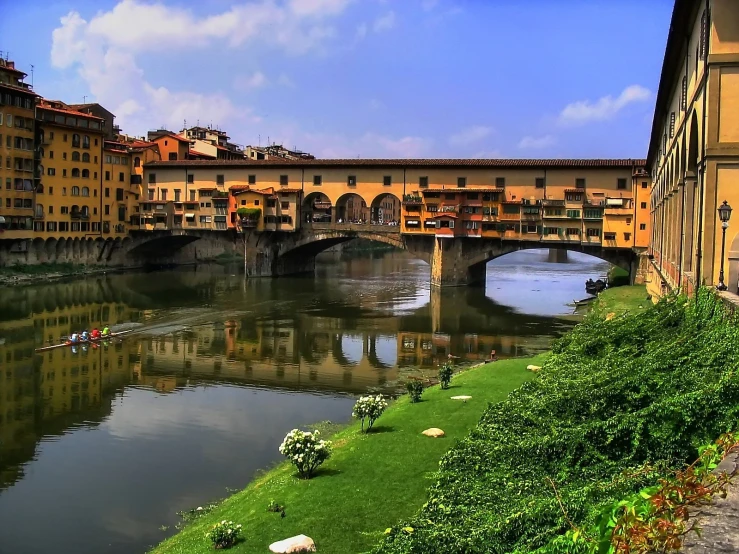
553, 202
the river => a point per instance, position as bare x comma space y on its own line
100, 448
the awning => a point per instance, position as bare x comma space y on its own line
189, 216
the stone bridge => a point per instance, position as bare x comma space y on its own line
454, 261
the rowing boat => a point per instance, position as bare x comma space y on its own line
89, 341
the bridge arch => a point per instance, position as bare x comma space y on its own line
317, 205
351, 207
385, 208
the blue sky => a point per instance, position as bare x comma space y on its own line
360, 78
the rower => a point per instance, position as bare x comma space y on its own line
95, 334
106, 331
85, 335
75, 338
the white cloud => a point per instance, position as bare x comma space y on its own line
470, 135
361, 31
106, 57
384, 22
285, 81
368, 145
248, 82
585, 111
536, 142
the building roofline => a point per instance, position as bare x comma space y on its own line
405, 163
680, 25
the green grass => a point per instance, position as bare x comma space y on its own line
371, 481
623, 299
42, 269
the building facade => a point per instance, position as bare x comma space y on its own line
603, 202
693, 155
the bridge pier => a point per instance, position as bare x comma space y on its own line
557, 256
450, 266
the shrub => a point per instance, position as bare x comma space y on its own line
621, 405
224, 534
249, 213
415, 390
445, 374
305, 451
369, 408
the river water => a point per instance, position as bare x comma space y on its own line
99, 448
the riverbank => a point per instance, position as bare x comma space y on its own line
371, 481
19, 275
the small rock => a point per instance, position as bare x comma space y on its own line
299, 543
433, 432
533, 367
463, 398
610, 316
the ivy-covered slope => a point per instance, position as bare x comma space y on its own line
617, 404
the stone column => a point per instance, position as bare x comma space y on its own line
557, 256
449, 267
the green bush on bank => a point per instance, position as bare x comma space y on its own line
618, 404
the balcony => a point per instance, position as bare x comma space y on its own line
249, 223
448, 209
412, 200
553, 202
220, 195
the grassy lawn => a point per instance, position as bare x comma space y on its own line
370, 483
623, 299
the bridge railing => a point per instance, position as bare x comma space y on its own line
357, 227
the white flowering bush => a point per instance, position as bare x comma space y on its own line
305, 451
369, 408
224, 534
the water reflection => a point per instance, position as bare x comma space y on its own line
219, 371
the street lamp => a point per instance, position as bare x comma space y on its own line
724, 214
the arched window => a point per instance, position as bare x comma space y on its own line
39, 210
75, 140
85, 173
85, 191
75, 156
40, 188
85, 211
86, 157
75, 172
85, 142
137, 162
75, 190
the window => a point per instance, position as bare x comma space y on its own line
220, 180
9, 120
500, 182
51, 171
107, 175
51, 154
511, 209
387, 180
152, 178
461, 182
75, 156
256, 202
190, 178
283, 180
621, 184
252, 179
540, 182
86, 157
64, 191
423, 182
172, 155
642, 226
285, 205
85, 173
107, 192
107, 210
51, 191
573, 231
85, 191
75, 191
351, 181
75, 172
593, 232
644, 184
643, 205
137, 162
119, 195
192, 196
579, 183
121, 177
628, 221
75, 141
64, 155
164, 195
573, 214
317, 180
606, 236
627, 236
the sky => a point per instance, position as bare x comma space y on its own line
359, 78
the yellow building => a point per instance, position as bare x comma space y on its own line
72, 155
694, 149
18, 160
595, 202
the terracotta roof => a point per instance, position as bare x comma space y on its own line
19, 89
67, 111
170, 134
445, 214
196, 153
402, 162
238, 189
